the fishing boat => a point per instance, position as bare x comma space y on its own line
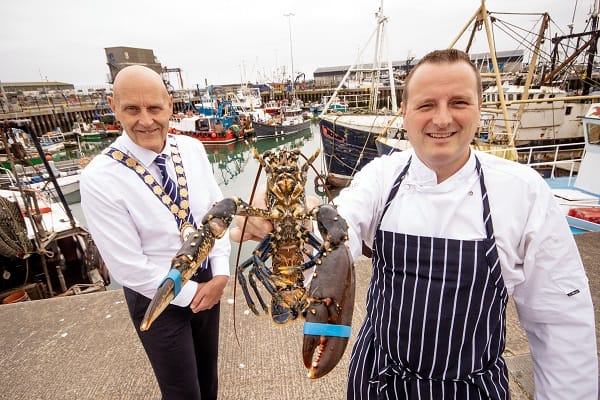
542, 105
272, 107
290, 119
287, 116
206, 128
349, 138
578, 192
22, 146
112, 127
337, 105
248, 98
93, 131
536, 108
52, 142
44, 251
39, 179
212, 122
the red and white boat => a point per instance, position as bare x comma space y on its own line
208, 129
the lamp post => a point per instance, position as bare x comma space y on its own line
289, 16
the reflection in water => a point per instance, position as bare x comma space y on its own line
229, 161
87, 149
288, 142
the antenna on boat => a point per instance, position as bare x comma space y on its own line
480, 17
289, 17
380, 33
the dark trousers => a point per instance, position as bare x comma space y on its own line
182, 348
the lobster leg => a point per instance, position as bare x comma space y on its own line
329, 315
244, 285
256, 266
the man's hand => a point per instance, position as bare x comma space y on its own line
209, 293
257, 228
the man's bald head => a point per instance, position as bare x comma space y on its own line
142, 104
135, 75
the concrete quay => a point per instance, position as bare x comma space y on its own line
85, 347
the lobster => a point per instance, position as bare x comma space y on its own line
326, 305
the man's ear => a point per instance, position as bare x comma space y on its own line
111, 103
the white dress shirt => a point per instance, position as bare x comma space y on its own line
136, 234
541, 266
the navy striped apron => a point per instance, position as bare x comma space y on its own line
435, 324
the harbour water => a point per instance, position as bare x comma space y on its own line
235, 169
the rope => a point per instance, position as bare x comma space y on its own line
362, 152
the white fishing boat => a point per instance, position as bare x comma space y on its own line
551, 116
44, 251
68, 180
290, 119
578, 193
93, 131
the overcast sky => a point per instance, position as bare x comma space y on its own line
227, 41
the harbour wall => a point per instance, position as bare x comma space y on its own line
47, 117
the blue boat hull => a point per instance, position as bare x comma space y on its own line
345, 151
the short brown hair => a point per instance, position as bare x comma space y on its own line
439, 57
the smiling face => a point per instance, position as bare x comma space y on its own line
441, 114
143, 106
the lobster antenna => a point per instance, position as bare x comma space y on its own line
239, 252
319, 177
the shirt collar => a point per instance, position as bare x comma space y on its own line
145, 156
422, 176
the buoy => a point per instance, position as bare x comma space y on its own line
16, 297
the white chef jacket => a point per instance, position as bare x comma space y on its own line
541, 266
136, 234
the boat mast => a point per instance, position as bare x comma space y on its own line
479, 16
289, 17
592, 51
591, 43
376, 67
531, 70
375, 83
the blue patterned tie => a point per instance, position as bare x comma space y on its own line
172, 190
167, 183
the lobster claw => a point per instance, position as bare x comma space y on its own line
189, 258
329, 315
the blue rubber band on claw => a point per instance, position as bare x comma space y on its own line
318, 329
175, 276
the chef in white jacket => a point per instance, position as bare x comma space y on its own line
454, 232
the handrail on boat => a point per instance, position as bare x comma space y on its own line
9, 174
554, 149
